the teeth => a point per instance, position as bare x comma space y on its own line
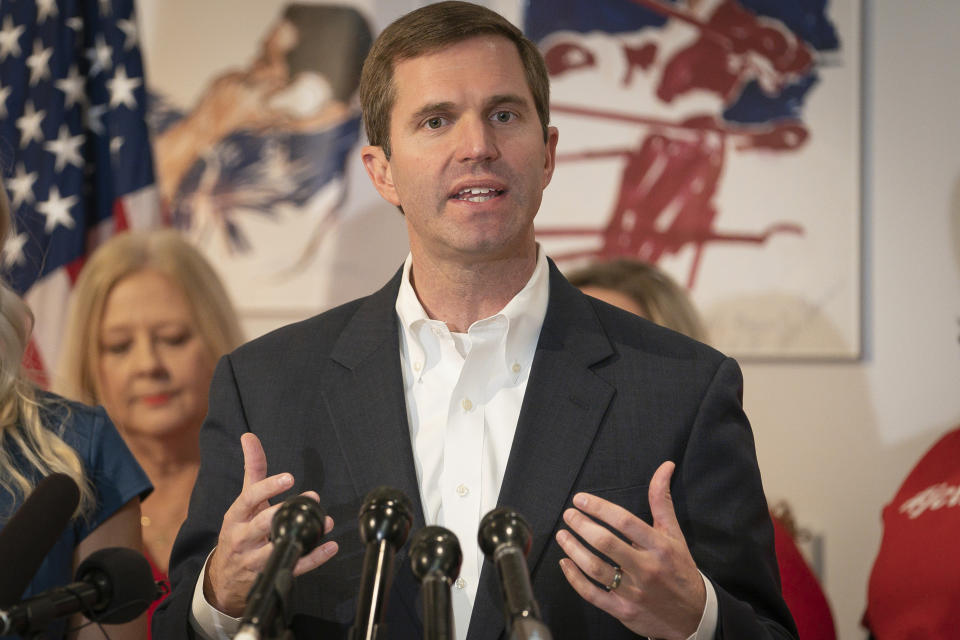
477, 194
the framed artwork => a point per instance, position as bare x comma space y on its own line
720, 141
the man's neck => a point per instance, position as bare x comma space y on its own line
460, 294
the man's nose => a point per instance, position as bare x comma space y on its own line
476, 139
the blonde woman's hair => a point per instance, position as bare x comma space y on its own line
22, 411
658, 295
165, 251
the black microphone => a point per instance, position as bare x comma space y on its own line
505, 539
296, 529
113, 586
30, 534
435, 558
385, 519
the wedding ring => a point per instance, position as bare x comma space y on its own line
617, 577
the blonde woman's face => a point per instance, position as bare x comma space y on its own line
154, 368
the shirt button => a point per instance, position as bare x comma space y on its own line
466, 404
460, 583
463, 491
516, 367
417, 366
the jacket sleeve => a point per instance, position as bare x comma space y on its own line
721, 505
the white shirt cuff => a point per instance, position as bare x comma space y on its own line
205, 619
707, 628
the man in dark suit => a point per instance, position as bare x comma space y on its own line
479, 360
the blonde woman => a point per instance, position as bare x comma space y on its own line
148, 321
41, 434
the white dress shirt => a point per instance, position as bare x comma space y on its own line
463, 394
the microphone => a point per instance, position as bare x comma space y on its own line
113, 586
296, 529
385, 519
505, 539
435, 558
30, 534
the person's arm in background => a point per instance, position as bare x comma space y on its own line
122, 529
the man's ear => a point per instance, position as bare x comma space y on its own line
550, 157
378, 168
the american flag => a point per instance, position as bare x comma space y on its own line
74, 149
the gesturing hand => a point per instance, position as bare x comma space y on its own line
244, 547
660, 592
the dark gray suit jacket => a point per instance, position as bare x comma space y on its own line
610, 397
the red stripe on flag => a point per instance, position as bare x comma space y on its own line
33, 367
73, 269
120, 222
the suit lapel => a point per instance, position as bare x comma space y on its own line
368, 409
367, 403
562, 409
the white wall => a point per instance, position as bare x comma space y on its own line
837, 439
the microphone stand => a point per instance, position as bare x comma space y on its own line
379, 557
435, 559
296, 529
437, 608
505, 539
385, 519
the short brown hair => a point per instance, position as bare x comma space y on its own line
426, 30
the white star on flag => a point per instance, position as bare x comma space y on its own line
39, 62
21, 186
121, 89
57, 210
10, 38
129, 28
66, 148
100, 56
92, 118
73, 87
13, 250
29, 125
4, 94
45, 9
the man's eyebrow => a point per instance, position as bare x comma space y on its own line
506, 98
429, 109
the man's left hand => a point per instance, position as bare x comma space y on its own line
660, 593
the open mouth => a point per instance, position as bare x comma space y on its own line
477, 194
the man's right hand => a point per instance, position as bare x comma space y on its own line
243, 548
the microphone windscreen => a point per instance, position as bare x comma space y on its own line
435, 550
386, 514
30, 534
127, 576
301, 518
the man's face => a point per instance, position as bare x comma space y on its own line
469, 163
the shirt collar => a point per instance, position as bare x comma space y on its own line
523, 315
